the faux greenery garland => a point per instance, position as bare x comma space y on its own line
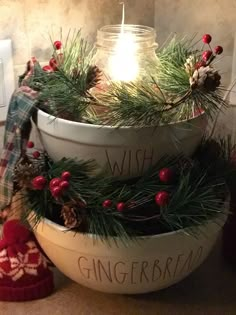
181, 85
176, 193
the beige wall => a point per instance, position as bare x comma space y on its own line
28, 22
215, 17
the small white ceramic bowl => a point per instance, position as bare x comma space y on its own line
147, 264
124, 151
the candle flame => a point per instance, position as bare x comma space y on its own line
123, 63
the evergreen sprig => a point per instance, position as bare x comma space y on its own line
197, 194
164, 95
65, 92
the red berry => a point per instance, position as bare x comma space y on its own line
56, 191
36, 154
206, 55
200, 64
66, 175
206, 39
64, 185
166, 175
218, 50
39, 182
57, 44
198, 111
120, 206
107, 203
53, 63
30, 144
47, 68
162, 198
55, 182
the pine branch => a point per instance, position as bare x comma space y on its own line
64, 92
197, 194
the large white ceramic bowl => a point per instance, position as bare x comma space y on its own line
148, 264
124, 151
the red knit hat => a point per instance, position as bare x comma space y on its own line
24, 274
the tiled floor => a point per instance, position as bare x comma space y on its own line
211, 290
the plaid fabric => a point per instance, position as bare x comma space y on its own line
17, 130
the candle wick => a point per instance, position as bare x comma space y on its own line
123, 17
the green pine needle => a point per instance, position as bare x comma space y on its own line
197, 195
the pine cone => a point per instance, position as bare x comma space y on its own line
212, 81
205, 77
93, 77
69, 215
24, 172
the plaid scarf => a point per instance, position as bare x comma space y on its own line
17, 131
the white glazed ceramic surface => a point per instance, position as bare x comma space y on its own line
124, 151
150, 264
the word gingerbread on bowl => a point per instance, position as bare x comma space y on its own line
133, 272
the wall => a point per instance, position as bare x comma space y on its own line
215, 17
200, 16
29, 22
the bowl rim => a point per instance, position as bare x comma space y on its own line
108, 127
222, 217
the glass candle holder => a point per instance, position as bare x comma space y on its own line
125, 52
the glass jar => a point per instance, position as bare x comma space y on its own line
126, 52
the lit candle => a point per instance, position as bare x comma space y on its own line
123, 63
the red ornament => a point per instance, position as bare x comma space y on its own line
120, 206
66, 175
39, 182
206, 55
162, 198
218, 50
107, 203
64, 185
36, 154
47, 68
200, 64
206, 38
55, 182
166, 175
53, 63
56, 191
57, 44
198, 111
30, 144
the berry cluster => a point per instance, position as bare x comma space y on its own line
57, 185
120, 206
208, 55
57, 58
35, 154
162, 197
